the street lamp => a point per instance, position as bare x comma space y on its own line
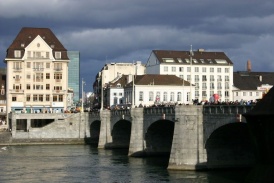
191, 54
83, 82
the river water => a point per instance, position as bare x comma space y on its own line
84, 163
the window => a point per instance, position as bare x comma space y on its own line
226, 93
120, 94
54, 98
181, 69
60, 98
226, 78
226, 85
158, 96
58, 88
196, 93
257, 94
17, 65
226, 70
188, 69
14, 98
250, 93
47, 97
244, 93
57, 55
204, 86
28, 76
172, 96
58, 66
173, 69
47, 65
179, 96
28, 98
219, 78
2, 90
165, 96
47, 75
47, 86
57, 76
17, 53
28, 86
236, 94
151, 96
211, 69
219, 70
196, 69
141, 96
219, 85
114, 94
204, 69
211, 77
188, 78
204, 93
196, 78
40, 98
34, 98
211, 86
203, 77
28, 65
165, 69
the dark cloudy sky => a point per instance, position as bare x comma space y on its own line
107, 31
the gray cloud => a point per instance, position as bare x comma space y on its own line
127, 30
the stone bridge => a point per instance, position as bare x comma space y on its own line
194, 136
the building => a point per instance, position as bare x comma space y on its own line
74, 74
251, 85
37, 72
3, 103
110, 72
210, 72
155, 89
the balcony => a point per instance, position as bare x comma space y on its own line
59, 91
38, 69
16, 91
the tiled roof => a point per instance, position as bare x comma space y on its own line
251, 80
202, 57
156, 79
28, 34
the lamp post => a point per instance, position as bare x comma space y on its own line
191, 55
83, 82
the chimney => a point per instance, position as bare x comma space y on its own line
248, 66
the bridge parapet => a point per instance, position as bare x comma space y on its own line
120, 112
226, 109
159, 110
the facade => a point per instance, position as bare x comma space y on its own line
251, 85
155, 89
74, 74
3, 103
37, 72
210, 72
111, 72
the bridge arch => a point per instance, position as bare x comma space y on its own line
120, 132
230, 146
158, 138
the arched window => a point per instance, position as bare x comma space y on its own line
179, 96
165, 96
172, 96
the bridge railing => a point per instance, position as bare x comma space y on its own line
226, 109
159, 110
120, 112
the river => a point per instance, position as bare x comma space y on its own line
84, 163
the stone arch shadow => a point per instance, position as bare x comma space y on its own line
120, 132
158, 138
230, 146
94, 133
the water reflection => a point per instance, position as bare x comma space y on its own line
83, 163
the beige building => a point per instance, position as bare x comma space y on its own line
37, 72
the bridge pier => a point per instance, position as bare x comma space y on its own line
105, 130
188, 152
136, 146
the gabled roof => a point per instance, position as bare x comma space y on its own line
157, 79
202, 57
28, 34
252, 80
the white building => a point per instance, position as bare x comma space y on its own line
37, 72
210, 72
112, 72
151, 89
